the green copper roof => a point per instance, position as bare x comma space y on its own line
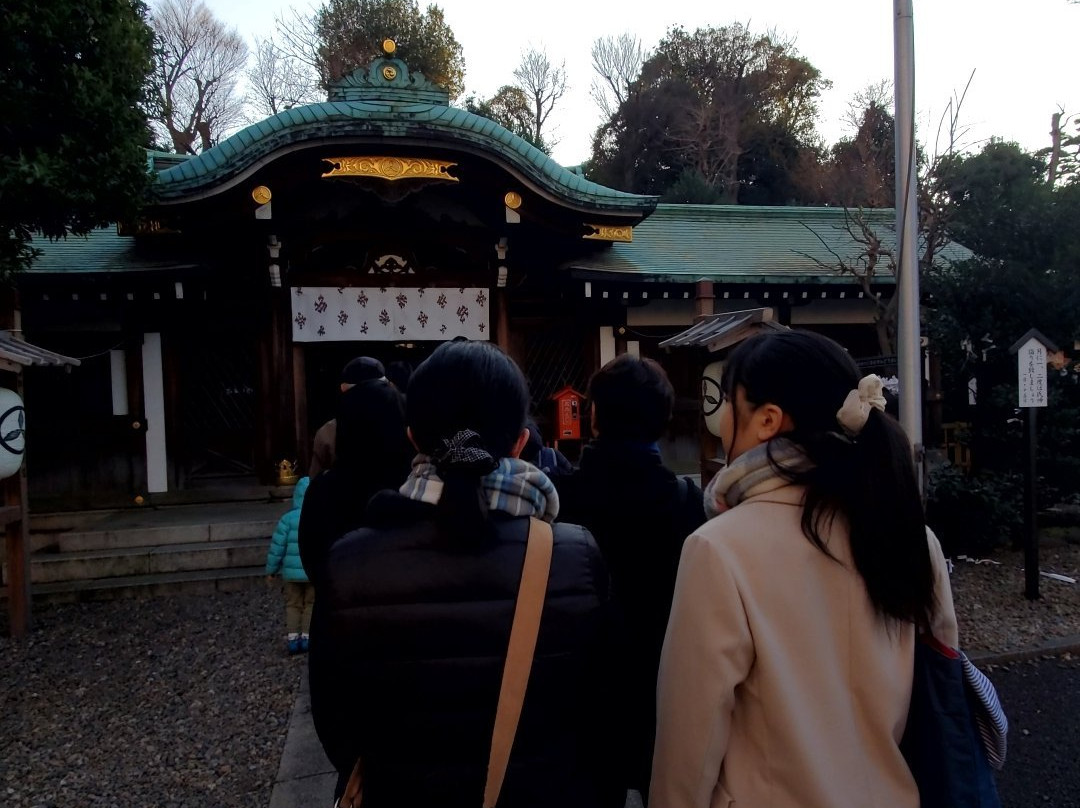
745, 244
406, 107
100, 251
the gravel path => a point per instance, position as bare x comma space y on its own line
185, 701
991, 610
173, 701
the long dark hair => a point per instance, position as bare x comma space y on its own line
869, 480
466, 387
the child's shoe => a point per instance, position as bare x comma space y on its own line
303, 643
294, 644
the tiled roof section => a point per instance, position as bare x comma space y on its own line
101, 250
23, 353
390, 120
719, 331
745, 244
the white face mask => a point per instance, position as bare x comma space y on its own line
711, 396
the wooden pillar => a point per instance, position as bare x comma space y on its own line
174, 432
265, 399
704, 300
16, 517
136, 445
284, 434
502, 320
300, 410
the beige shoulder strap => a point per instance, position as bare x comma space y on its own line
519, 655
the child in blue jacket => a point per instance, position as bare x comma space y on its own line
284, 555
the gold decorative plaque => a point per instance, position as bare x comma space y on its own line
389, 46
389, 72
390, 168
608, 232
512, 200
261, 194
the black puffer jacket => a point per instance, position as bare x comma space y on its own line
407, 651
640, 514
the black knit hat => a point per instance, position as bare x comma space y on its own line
362, 369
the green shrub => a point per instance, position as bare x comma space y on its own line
973, 514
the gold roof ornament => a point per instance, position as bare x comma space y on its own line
261, 194
512, 200
389, 46
390, 168
608, 232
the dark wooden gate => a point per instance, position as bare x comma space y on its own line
218, 375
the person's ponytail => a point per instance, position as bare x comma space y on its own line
461, 461
888, 528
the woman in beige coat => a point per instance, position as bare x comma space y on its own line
787, 667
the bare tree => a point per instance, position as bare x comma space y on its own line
935, 214
278, 82
297, 38
197, 64
877, 95
544, 83
617, 63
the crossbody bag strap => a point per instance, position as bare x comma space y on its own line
519, 654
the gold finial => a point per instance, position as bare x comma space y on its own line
512, 200
389, 46
261, 195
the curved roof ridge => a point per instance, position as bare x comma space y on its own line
399, 119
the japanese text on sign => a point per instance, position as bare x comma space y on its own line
1032, 371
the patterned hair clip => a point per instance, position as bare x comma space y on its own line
464, 453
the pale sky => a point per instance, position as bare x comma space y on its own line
1022, 53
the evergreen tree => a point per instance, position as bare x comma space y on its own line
350, 34
72, 139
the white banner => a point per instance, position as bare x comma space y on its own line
389, 314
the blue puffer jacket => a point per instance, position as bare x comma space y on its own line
284, 552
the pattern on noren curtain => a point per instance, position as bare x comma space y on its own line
353, 314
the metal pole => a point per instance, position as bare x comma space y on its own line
1031, 539
909, 350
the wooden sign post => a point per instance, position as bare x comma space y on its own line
1031, 350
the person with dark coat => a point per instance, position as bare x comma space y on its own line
549, 460
360, 370
640, 512
373, 452
413, 616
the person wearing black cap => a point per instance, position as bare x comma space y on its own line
357, 371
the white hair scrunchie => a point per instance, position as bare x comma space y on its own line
856, 410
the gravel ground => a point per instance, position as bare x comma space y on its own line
162, 702
185, 700
991, 610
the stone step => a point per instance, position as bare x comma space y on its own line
87, 540
163, 584
144, 527
124, 562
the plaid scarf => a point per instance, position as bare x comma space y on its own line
515, 487
751, 474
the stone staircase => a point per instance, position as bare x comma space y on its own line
95, 555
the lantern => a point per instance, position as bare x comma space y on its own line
12, 433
